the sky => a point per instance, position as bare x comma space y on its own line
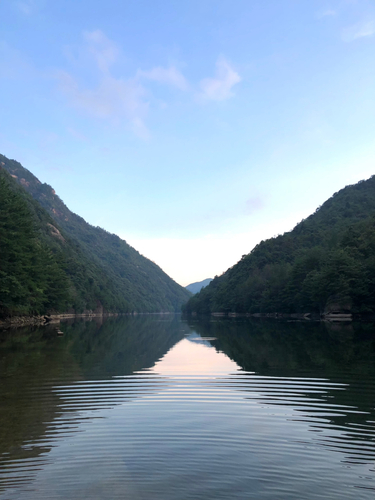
193, 129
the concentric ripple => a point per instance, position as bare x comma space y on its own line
195, 426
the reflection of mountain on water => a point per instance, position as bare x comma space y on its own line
309, 349
34, 362
122, 346
325, 371
132, 406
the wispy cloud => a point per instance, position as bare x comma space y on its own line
128, 99
359, 30
14, 64
26, 7
170, 76
254, 204
114, 98
220, 87
77, 134
104, 51
326, 13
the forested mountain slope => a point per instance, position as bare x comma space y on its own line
32, 278
99, 268
327, 262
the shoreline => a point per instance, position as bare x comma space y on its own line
328, 316
20, 321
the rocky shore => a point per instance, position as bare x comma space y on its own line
19, 321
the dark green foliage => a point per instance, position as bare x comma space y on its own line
327, 261
100, 269
31, 280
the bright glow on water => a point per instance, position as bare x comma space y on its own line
141, 408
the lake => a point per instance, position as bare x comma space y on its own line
156, 408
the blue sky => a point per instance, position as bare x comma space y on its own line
192, 129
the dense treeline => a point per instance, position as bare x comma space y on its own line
327, 263
52, 260
31, 278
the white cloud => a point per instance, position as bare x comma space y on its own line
220, 87
359, 30
26, 7
127, 99
253, 204
113, 98
170, 76
14, 64
77, 134
326, 13
104, 50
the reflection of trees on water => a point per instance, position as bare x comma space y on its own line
285, 348
284, 355
50, 384
122, 345
34, 363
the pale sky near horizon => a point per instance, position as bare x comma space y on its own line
192, 129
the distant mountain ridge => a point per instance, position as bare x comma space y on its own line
198, 285
326, 264
103, 270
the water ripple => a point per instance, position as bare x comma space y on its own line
285, 415
194, 426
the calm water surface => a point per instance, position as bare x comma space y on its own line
154, 408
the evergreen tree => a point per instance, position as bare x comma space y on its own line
31, 281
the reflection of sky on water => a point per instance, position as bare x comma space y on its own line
191, 357
197, 426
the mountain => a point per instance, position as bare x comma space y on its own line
32, 278
325, 264
197, 287
99, 270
